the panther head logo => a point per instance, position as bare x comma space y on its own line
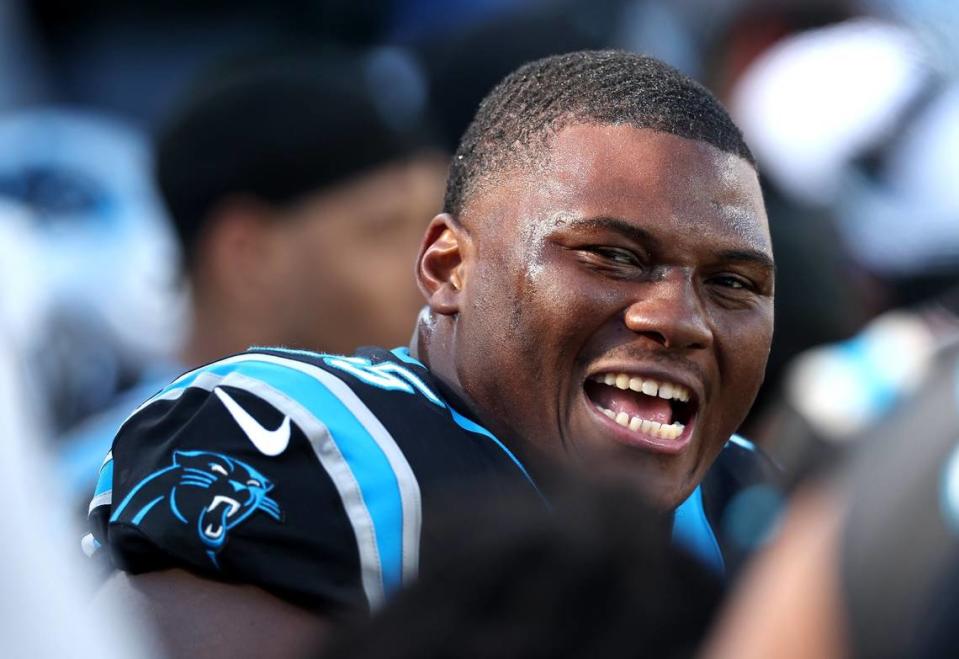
211, 492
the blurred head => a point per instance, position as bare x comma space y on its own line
859, 119
300, 202
600, 285
594, 576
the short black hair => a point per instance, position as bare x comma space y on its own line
598, 86
276, 129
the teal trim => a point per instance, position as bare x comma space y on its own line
691, 530
105, 479
175, 508
470, 425
742, 442
403, 353
126, 500
143, 511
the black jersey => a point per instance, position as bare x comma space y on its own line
306, 474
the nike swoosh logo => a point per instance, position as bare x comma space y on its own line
269, 442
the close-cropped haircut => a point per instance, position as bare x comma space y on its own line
514, 122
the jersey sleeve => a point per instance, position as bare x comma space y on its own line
263, 470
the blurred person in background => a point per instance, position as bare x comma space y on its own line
44, 602
298, 198
817, 301
859, 119
867, 563
595, 575
599, 295
88, 265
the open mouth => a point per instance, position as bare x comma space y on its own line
650, 408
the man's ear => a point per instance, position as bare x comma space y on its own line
440, 265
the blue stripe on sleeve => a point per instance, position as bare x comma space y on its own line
105, 479
371, 469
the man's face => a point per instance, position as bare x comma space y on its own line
617, 304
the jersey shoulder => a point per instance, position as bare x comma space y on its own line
274, 463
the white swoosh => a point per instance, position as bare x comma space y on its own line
269, 442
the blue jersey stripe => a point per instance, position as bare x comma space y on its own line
691, 530
105, 479
742, 442
370, 467
143, 511
464, 422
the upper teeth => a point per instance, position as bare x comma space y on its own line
648, 386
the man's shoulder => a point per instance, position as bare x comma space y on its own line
256, 396
265, 465
373, 398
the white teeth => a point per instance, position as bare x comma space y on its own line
666, 390
646, 426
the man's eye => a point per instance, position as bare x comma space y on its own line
730, 281
616, 255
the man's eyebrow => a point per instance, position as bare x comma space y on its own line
628, 229
749, 255
636, 234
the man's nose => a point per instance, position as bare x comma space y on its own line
670, 312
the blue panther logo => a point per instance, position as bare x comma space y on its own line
210, 491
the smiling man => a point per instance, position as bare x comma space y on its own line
607, 295
599, 296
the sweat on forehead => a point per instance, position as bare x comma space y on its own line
514, 122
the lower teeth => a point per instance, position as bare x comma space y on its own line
654, 428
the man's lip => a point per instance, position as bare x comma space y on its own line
692, 383
641, 440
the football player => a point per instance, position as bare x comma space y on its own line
599, 295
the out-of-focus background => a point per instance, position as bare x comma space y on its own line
119, 119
